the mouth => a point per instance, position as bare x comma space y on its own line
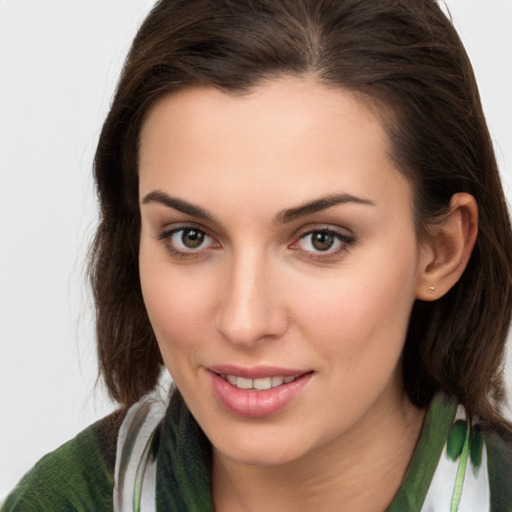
258, 391
261, 384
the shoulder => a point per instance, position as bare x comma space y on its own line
499, 465
76, 476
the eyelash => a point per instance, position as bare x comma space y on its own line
343, 241
167, 236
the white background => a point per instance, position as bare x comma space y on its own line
59, 62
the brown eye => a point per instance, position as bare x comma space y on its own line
187, 241
326, 241
322, 240
192, 238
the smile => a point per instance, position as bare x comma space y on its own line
257, 392
261, 384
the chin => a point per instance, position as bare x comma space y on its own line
261, 445
258, 454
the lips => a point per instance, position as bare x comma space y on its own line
256, 392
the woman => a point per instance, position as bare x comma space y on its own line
302, 220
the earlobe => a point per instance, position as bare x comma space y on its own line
445, 256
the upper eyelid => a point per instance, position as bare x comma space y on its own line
313, 228
213, 229
179, 226
343, 237
337, 231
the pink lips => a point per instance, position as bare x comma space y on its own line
253, 403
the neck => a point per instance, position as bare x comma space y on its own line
361, 470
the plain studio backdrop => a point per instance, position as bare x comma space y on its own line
59, 63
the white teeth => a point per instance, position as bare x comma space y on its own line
277, 381
243, 383
265, 383
258, 384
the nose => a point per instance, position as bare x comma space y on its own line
250, 305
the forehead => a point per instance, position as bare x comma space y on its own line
273, 105
289, 137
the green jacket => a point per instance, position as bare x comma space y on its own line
80, 475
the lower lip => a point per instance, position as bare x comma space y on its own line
252, 403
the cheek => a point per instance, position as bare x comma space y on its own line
177, 304
363, 312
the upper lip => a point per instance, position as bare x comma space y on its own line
256, 372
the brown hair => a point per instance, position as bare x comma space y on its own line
403, 54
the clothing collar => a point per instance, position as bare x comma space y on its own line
177, 471
184, 462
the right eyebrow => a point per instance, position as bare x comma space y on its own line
157, 196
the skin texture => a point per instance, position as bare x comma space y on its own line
256, 291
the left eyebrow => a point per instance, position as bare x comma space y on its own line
318, 205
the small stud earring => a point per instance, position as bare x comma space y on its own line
431, 288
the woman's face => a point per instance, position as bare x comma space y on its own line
279, 264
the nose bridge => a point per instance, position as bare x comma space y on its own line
249, 311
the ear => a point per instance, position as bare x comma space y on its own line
445, 255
